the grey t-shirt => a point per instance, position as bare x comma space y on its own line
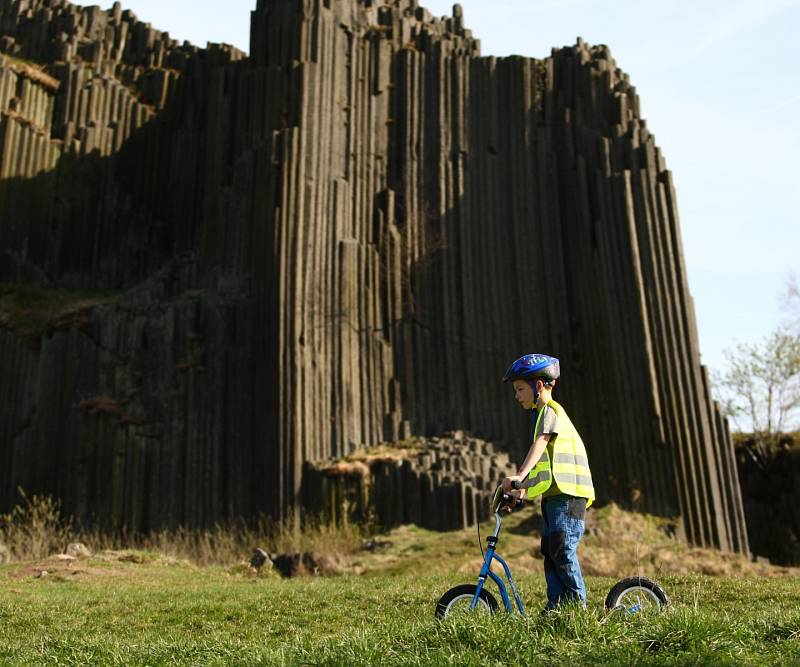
547, 423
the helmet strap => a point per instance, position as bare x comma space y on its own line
535, 395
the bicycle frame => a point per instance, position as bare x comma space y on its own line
486, 571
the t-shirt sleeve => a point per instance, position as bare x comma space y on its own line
549, 423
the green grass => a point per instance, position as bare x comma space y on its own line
32, 311
187, 598
162, 613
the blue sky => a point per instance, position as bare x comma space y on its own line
720, 88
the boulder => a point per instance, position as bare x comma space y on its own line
260, 558
78, 550
306, 563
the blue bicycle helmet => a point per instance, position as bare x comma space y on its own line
534, 367
530, 368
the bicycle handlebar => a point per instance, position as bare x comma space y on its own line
502, 499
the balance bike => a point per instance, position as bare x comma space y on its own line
632, 595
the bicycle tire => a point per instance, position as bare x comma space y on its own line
648, 589
464, 592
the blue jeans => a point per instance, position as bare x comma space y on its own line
563, 528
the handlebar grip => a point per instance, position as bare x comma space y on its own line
516, 485
512, 503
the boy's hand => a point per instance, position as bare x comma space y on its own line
508, 482
516, 496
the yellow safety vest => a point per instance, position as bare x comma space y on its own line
570, 464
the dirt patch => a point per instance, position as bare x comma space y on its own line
109, 563
139, 557
61, 569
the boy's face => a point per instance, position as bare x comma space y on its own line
523, 393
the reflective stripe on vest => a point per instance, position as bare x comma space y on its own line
540, 477
570, 464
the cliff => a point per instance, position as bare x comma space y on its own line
341, 239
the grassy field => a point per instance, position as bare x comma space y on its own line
160, 611
168, 605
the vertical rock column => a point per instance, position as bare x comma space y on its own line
28, 161
410, 217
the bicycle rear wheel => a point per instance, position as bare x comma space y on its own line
636, 594
458, 599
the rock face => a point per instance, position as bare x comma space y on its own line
770, 477
443, 483
342, 239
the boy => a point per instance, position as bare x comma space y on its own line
556, 468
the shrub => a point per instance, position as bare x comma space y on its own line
35, 529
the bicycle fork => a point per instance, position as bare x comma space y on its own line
486, 571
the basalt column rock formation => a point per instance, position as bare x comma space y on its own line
341, 239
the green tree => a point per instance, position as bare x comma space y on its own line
761, 384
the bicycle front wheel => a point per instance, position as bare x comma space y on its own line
457, 600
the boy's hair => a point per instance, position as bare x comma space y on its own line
550, 384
